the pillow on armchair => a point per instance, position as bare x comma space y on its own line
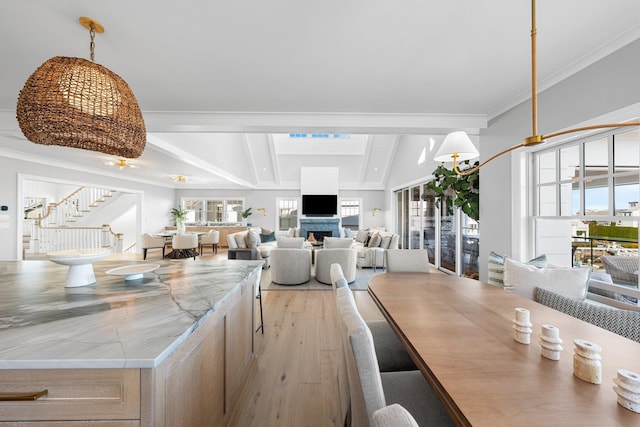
495, 274
570, 282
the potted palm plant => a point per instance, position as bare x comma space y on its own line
245, 214
179, 215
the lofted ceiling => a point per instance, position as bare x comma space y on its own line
222, 85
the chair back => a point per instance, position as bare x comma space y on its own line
149, 241
394, 416
346, 257
211, 238
407, 260
365, 382
185, 241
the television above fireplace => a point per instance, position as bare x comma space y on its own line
319, 204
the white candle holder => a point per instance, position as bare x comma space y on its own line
628, 389
522, 326
586, 361
550, 342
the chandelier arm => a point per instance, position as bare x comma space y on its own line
580, 129
472, 170
534, 73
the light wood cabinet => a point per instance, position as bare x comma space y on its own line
198, 384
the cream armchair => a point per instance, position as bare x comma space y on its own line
211, 238
346, 257
290, 266
148, 241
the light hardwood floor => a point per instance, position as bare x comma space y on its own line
294, 382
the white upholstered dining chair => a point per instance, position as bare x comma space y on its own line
148, 241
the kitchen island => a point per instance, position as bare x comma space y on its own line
172, 348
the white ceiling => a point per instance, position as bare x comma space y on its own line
218, 82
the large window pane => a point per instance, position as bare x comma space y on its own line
215, 208
416, 217
626, 196
626, 151
596, 157
470, 247
569, 203
287, 214
547, 200
350, 213
596, 196
547, 167
569, 163
429, 225
447, 238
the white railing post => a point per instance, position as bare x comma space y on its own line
106, 236
119, 248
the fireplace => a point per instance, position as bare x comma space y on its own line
319, 235
320, 225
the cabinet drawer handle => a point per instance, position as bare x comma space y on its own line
5, 397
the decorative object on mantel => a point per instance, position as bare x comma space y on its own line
453, 151
586, 361
80, 262
550, 342
121, 163
522, 326
77, 103
458, 191
179, 215
628, 390
311, 239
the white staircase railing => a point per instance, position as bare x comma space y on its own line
55, 230
51, 239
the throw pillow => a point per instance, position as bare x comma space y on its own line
362, 235
268, 237
567, 281
495, 273
291, 232
366, 241
253, 239
265, 230
348, 233
291, 242
374, 241
241, 240
386, 241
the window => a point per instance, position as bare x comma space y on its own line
586, 196
213, 211
451, 238
350, 213
287, 213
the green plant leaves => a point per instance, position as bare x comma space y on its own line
458, 191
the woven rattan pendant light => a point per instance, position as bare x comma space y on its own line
77, 103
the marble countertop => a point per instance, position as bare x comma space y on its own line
112, 323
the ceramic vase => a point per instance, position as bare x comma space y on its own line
628, 389
550, 342
522, 326
586, 361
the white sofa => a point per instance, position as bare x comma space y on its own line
248, 242
366, 242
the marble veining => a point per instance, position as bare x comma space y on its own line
112, 323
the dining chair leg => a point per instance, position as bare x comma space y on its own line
144, 253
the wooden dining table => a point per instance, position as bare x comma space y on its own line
459, 332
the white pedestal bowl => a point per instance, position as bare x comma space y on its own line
80, 262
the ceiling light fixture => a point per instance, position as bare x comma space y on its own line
180, 178
77, 103
121, 163
458, 147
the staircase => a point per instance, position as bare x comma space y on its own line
65, 225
